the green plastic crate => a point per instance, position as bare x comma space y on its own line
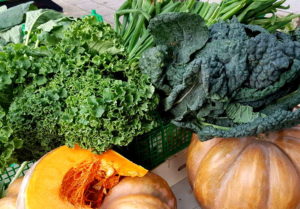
155, 147
148, 150
11, 171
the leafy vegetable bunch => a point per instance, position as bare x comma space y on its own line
91, 95
136, 15
229, 80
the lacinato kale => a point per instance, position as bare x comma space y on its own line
229, 80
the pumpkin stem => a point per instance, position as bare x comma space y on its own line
88, 183
261, 137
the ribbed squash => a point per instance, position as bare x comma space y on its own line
247, 173
72, 178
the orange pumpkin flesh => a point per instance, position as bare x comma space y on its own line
247, 173
44, 187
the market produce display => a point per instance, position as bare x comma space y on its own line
230, 80
136, 16
82, 179
73, 88
249, 172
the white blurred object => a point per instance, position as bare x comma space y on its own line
173, 169
174, 172
295, 5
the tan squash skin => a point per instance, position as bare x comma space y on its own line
13, 189
247, 173
148, 192
10, 201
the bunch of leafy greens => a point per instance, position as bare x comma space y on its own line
135, 15
11, 23
27, 24
230, 80
88, 93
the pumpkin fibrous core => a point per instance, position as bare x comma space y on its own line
88, 183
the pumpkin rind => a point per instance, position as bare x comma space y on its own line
137, 201
8, 203
14, 187
247, 173
10, 200
155, 192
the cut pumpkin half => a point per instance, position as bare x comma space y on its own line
69, 178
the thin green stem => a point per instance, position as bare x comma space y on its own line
127, 11
19, 172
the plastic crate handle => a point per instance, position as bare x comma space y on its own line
95, 14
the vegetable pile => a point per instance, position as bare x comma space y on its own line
77, 81
137, 14
229, 80
83, 90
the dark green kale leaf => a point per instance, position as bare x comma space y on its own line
185, 33
227, 84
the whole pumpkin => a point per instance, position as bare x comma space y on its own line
73, 178
247, 173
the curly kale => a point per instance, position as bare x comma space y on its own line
8, 144
20, 66
230, 80
34, 117
104, 111
95, 97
